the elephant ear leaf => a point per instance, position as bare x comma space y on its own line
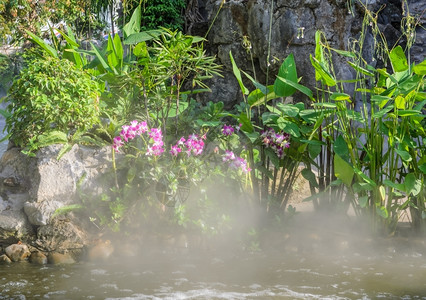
288, 72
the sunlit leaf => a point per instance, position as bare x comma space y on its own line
287, 71
343, 170
398, 59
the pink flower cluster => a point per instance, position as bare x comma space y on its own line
229, 130
235, 161
135, 129
276, 141
193, 145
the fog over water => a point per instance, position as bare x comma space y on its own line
307, 256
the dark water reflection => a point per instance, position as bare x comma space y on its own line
272, 275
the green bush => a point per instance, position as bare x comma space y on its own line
51, 95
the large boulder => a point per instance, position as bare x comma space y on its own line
34, 188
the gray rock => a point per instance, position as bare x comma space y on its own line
39, 213
14, 226
4, 259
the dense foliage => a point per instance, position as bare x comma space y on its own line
51, 95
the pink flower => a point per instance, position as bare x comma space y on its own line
175, 150
227, 130
229, 156
117, 143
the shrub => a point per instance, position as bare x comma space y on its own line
51, 95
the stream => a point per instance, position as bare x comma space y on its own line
391, 271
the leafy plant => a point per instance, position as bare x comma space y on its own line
51, 95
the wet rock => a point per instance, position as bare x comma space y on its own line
59, 258
4, 259
18, 252
60, 235
39, 258
102, 250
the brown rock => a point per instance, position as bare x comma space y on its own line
101, 251
58, 258
39, 258
18, 252
4, 259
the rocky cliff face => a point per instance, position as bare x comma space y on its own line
242, 26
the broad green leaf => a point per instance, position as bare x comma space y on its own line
400, 102
247, 126
363, 201
299, 87
314, 150
341, 148
50, 50
139, 37
288, 126
364, 177
343, 170
404, 155
256, 97
118, 47
398, 186
409, 112
288, 71
237, 74
420, 69
340, 97
412, 184
134, 25
252, 136
173, 112
322, 73
398, 59
310, 176
288, 109
382, 211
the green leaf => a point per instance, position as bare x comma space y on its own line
310, 176
382, 112
412, 184
273, 157
247, 126
420, 69
290, 110
288, 127
257, 97
139, 37
237, 75
299, 87
252, 136
344, 53
102, 60
361, 186
134, 25
66, 209
361, 70
322, 73
49, 50
258, 86
340, 97
287, 71
382, 211
314, 150
423, 168
340, 147
405, 156
343, 170
364, 177
398, 186
398, 59
70, 39
363, 201
409, 112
